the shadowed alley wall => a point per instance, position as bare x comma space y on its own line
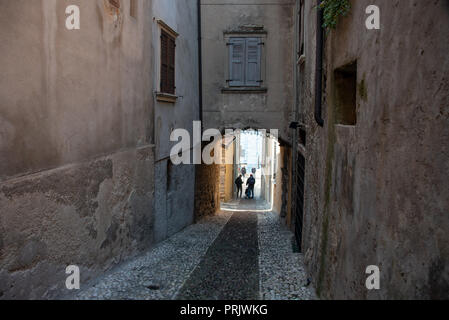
77, 140
76, 154
377, 192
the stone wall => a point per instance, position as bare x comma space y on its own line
377, 193
207, 191
226, 182
227, 169
286, 209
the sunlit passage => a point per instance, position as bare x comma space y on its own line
249, 182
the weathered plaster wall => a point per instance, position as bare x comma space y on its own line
175, 185
377, 193
270, 110
67, 96
174, 198
76, 160
94, 215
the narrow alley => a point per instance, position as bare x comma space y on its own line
232, 256
224, 150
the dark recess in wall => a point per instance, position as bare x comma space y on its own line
346, 94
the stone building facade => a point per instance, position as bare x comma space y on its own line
376, 190
81, 156
255, 39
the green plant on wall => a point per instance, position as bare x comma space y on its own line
333, 9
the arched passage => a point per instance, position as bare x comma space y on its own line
247, 152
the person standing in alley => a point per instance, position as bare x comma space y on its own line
239, 184
251, 183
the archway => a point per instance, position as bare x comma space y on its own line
247, 152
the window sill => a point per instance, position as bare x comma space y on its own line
166, 97
242, 90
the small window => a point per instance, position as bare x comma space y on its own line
133, 8
245, 62
168, 45
346, 94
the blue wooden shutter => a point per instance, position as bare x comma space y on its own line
253, 53
237, 62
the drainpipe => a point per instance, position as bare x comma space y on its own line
200, 64
319, 66
200, 96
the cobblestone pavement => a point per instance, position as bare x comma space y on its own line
242, 205
229, 270
160, 273
235, 255
282, 273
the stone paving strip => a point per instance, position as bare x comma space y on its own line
229, 270
282, 272
160, 273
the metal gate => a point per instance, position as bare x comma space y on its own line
300, 185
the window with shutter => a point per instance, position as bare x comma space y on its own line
244, 62
168, 48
